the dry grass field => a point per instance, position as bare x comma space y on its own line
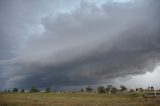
51, 99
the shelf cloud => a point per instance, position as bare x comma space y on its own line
83, 46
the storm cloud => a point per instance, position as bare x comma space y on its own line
87, 45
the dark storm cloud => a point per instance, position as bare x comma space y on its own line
90, 45
19, 20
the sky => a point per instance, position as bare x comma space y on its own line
75, 43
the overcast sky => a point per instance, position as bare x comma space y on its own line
76, 43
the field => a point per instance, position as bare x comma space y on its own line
72, 99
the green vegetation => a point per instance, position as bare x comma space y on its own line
15, 90
123, 88
22, 90
34, 89
82, 90
89, 89
101, 89
47, 89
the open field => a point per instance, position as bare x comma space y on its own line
51, 99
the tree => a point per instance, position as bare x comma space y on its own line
123, 88
15, 90
34, 89
152, 88
82, 90
114, 90
101, 89
131, 90
141, 89
22, 90
109, 88
47, 89
89, 89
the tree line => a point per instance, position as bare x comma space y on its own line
108, 89
101, 89
33, 89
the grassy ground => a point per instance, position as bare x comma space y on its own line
51, 99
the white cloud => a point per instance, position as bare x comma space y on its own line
144, 80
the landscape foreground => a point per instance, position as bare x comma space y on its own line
75, 99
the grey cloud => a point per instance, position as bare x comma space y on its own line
20, 19
90, 45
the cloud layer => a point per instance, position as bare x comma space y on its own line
89, 45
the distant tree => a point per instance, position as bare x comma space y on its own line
141, 89
89, 89
8, 91
15, 90
22, 90
123, 88
109, 88
152, 88
82, 90
47, 89
131, 90
114, 90
34, 89
101, 89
